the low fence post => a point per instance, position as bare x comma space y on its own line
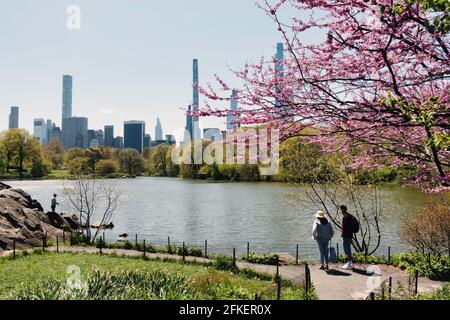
14, 249
57, 244
70, 239
136, 241
168, 246
307, 278
416, 280
144, 249
248, 251
296, 255
43, 242
389, 255
234, 257
278, 279
64, 237
184, 252
206, 248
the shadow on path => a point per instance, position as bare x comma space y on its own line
334, 272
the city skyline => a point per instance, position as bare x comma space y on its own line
118, 76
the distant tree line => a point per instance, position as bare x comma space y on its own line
300, 161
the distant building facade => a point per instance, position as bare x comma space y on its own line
109, 136
170, 139
159, 135
212, 134
75, 132
133, 136
14, 118
118, 142
147, 141
55, 134
40, 131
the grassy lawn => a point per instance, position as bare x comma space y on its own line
35, 272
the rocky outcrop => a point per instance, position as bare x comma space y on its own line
23, 219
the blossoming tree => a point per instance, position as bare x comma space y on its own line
374, 85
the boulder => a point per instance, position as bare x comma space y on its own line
23, 219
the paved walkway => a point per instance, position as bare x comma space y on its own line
335, 284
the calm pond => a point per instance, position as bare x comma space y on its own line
227, 214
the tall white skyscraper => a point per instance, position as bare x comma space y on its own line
159, 136
40, 131
14, 118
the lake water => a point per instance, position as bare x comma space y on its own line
227, 214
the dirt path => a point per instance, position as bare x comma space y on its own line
335, 284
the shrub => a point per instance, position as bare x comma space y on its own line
271, 259
429, 229
441, 294
431, 266
106, 168
224, 263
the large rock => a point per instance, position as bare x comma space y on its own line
23, 219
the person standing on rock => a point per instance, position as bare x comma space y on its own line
54, 203
322, 232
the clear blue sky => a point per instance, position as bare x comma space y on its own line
130, 60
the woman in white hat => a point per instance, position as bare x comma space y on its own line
322, 232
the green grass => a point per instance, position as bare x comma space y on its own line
58, 174
44, 275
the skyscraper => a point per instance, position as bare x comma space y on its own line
55, 134
188, 128
109, 136
279, 70
196, 102
134, 132
147, 141
159, 136
67, 97
40, 131
100, 137
231, 117
75, 132
14, 118
118, 142
92, 138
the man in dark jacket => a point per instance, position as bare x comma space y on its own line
347, 235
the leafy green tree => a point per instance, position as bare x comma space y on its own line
106, 167
79, 166
53, 152
131, 161
40, 166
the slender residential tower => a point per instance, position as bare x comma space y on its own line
67, 97
231, 118
279, 69
196, 102
188, 127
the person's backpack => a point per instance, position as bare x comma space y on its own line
354, 223
324, 230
